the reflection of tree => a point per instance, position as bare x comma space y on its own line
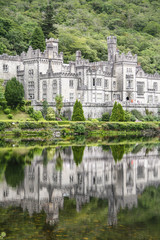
48, 154
78, 154
117, 152
106, 148
14, 172
59, 162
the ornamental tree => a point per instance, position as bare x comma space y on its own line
38, 40
78, 114
14, 93
117, 113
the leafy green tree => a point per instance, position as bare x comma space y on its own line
38, 40
78, 154
78, 114
48, 23
117, 113
50, 114
44, 108
14, 93
59, 103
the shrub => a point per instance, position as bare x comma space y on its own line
10, 116
105, 117
37, 115
7, 111
22, 108
30, 110
137, 114
78, 128
50, 116
91, 126
27, 102
3, 103
17, 132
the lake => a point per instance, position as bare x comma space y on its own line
109, 191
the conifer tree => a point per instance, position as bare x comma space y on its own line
48, 23
38, 40
117, 113
78, 114
114, 113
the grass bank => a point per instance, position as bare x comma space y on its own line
69, 128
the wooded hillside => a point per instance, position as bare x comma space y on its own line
85, 25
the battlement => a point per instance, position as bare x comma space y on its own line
52, 40
154, 76
10, 58
126, 57
111, 40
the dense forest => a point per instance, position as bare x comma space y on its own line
85, 25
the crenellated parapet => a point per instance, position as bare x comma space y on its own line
126, 57
10, 58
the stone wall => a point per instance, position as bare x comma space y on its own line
95, 110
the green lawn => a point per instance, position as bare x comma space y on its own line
17, 115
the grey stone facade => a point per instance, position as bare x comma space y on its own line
96, 84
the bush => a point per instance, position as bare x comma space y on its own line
10, 116
91, 126
105, 117
3, 103
129, 117
137, 114
17, 132
50, 116
78, 128
37, 115
7, 111
22, 109
30, 110
27, 102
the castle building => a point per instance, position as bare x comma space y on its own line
45, 75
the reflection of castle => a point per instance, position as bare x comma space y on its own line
97, 176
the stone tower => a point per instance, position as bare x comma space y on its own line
112, 47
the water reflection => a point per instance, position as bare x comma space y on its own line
116, 173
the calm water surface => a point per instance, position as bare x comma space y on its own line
81, 192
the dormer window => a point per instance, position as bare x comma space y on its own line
5, 68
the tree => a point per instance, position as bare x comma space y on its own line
117, 113
49, 21
78, 154
44, 108
117, 152
14, 93
50, 114
78, 114
38, 40
59, 103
